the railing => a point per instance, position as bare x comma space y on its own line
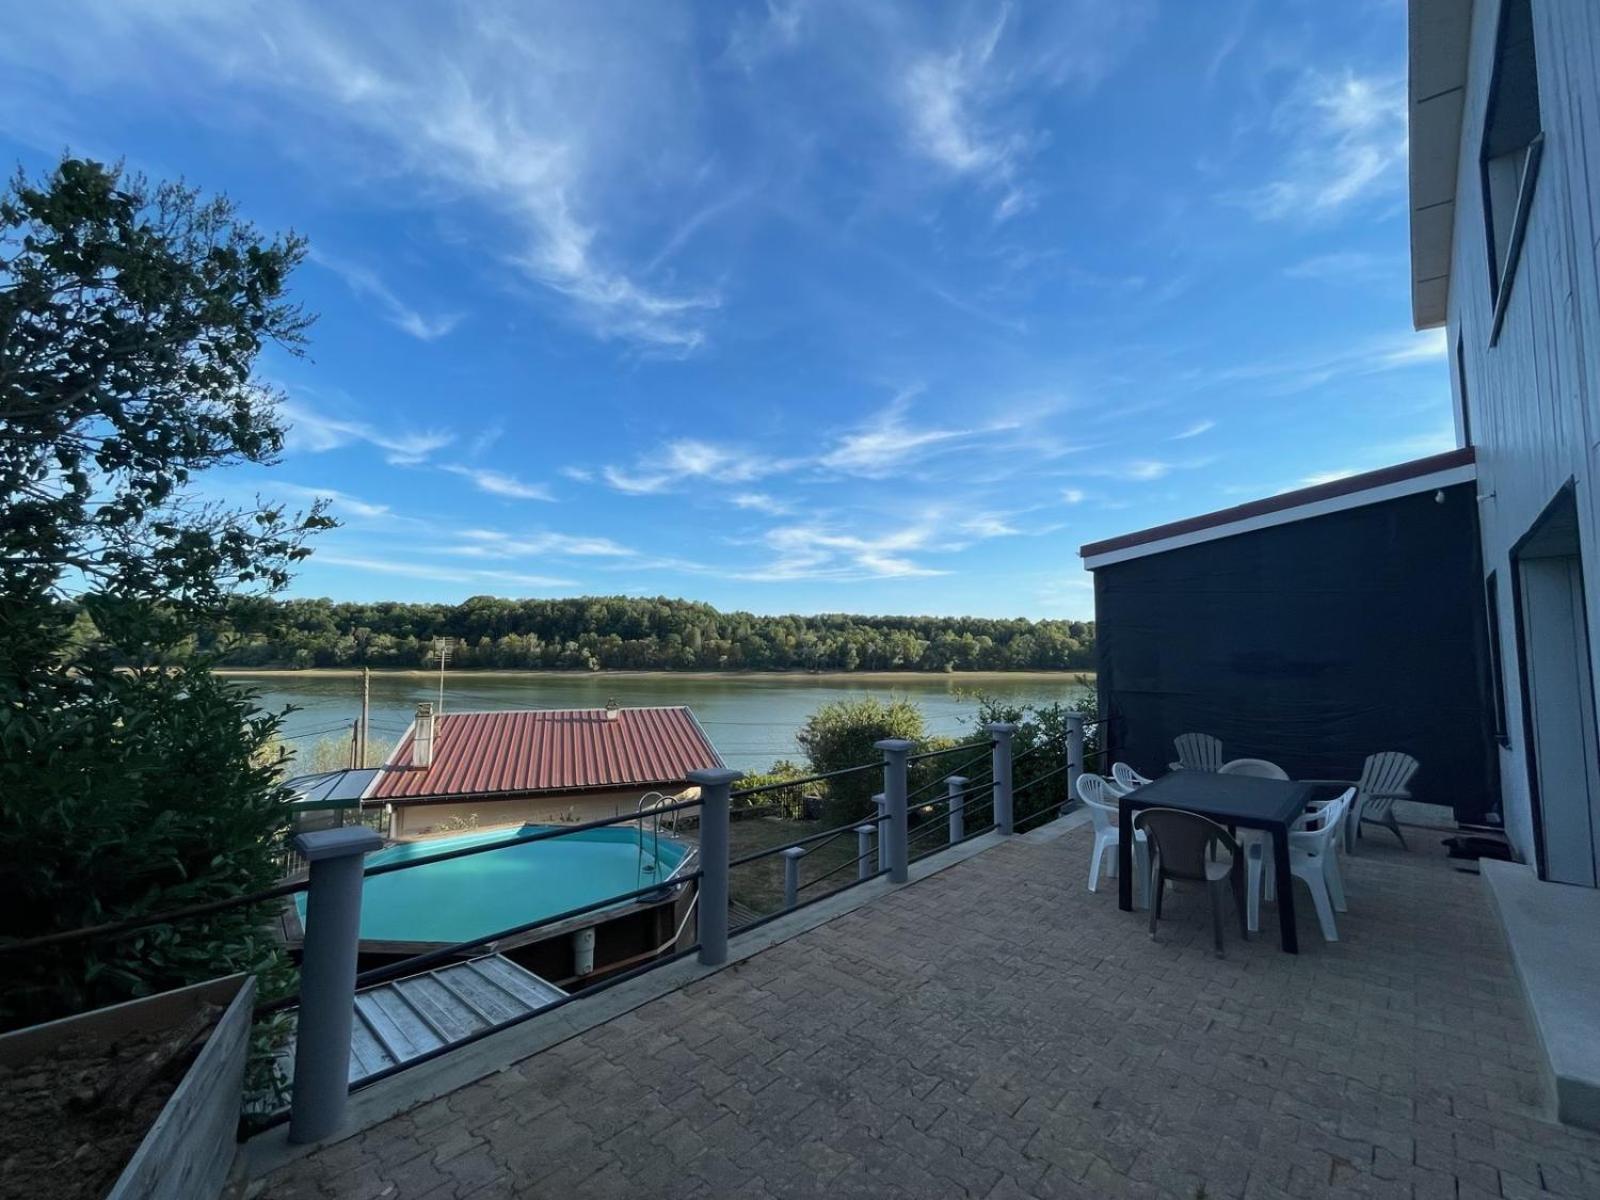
336, 870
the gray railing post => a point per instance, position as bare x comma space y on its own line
791, 875
882, 805
864, 850
958, 807
712, 912
1075, 754
327, 979
1002, 733
895, 752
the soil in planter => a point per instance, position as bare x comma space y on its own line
69, 1121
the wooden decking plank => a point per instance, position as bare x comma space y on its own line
420, 1036
389, 1035
443, 1007
367, 1055
496, 1002
519, 981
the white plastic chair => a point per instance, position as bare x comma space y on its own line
1098, 799
1127, 778
1313, 859
1385, 778
1197, 752
1260, 768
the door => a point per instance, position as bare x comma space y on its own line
1558, 695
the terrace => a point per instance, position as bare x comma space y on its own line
991, 1028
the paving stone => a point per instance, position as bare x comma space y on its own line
997, 1030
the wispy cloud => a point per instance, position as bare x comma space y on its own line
762, 502
678, 462
494, 543
1195, 430
422, 570
1345, 140
1073, 495
1346, 266
888, 441
1311, 368
365, 282
498, 483
316, 432
810, 551
343, 503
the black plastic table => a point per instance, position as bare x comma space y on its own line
1237, 801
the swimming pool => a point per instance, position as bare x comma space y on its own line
478, 894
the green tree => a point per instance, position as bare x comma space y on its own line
842, 734
132, 780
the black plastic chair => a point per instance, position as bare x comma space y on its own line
1179, 846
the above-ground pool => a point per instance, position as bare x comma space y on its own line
477, 894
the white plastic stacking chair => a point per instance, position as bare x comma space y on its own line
1102, 806
1197, 752
1313, 859
1127, 778
1385, 778
1260, 768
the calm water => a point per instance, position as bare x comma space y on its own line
751, 720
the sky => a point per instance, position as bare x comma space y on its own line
879, 306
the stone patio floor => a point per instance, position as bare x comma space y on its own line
998, 1031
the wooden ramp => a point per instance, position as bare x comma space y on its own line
404, 1019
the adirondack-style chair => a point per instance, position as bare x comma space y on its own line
1385, 778
1197, 752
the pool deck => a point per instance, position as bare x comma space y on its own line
995, 1030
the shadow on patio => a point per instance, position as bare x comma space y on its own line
997, 1030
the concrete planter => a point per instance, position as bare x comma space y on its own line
190, 1145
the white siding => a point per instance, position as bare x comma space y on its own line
1534, 395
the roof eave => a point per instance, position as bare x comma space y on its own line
1439, 37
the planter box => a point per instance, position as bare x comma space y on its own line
187, 1153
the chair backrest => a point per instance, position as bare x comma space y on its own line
1332, 815
1181, 840
1198, 751
1097, 799
1383, 780
1127, 778
1258, 767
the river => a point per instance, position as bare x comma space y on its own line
752, 719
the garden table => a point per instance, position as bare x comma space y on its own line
1237, 801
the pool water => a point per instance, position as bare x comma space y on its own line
478, 894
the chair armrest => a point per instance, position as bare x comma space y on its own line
1332, 782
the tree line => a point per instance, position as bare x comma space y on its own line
630, 633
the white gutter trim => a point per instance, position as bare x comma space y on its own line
1287, 516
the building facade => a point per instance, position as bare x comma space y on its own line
1505, 233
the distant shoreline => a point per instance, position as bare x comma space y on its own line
1065, 676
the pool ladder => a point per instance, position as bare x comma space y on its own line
655, 800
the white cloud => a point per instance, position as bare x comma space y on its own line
530, 121
493, 543
1346, 139
1431, 345
422, 570
762, 502
678, 462
578, 474
1195, 430
1346, 266
365, 282
812, 551
757, 37
1146, 469
989, 525
315, 432
343, 504
498, 483
1073, 495
888, 442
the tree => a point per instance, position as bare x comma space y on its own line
132, 780
841, 734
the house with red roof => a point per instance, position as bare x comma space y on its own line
541, 766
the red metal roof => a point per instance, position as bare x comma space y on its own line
563, 750
1287, 500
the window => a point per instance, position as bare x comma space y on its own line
1497, 673
1512, 144
1461, 390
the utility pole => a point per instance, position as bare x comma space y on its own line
366, 715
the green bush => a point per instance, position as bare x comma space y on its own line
841, 734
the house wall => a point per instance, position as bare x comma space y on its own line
420, 820
1312, 645
1531, 398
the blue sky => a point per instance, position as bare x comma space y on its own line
791, 305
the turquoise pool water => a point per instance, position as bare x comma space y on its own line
478, 894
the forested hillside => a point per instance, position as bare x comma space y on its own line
631, 633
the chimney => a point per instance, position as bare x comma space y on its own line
422, 739
612, 711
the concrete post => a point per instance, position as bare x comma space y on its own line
1074, 755
958, 807
864, 850
712, 912
327, 979
1002, 733
791, 875
882, 805
895, 752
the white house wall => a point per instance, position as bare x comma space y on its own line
1533, 395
